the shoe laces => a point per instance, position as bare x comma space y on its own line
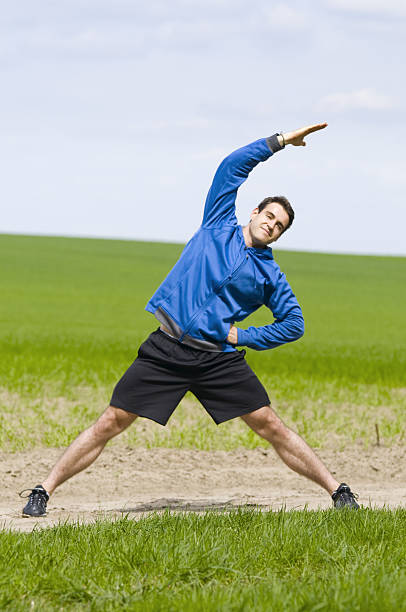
34, 493
348, 495
345, 493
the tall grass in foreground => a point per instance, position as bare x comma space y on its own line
242, 560
72, 318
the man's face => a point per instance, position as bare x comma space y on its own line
266, 226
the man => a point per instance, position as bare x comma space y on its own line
225, 272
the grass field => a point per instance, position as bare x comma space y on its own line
72, 318
243, 560
71, 321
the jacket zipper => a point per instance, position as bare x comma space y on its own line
211, 297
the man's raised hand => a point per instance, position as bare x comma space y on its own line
296, 137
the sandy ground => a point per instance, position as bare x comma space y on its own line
136, 481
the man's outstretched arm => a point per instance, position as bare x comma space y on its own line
233, 171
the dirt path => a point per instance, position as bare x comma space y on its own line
136, 481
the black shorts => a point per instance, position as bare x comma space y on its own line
166, 369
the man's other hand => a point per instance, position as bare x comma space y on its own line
232, 337
296, 138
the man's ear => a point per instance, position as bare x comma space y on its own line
254, 213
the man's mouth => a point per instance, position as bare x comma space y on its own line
267, 231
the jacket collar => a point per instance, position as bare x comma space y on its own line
265, 253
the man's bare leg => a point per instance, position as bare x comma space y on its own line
291, 448
88, 446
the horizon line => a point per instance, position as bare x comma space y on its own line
161, 241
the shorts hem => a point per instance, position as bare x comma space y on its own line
235, 416
139, 413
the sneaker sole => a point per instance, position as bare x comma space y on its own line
33, 515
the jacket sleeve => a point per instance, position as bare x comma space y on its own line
231, 174
288, 325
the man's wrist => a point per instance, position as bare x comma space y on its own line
281, 140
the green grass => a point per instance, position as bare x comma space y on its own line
72, 318
242, 560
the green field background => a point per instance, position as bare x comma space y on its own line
72, 318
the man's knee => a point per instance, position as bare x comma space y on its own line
112, 422
266, 423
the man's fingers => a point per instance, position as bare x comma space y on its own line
314, 128
296, 137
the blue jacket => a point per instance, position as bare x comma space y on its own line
219, 281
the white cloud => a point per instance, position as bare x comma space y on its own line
283, 16
132, 29
367, 99
395, 8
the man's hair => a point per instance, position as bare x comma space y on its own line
284, 202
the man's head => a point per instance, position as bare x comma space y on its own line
269, 220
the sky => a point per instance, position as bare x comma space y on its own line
115, 115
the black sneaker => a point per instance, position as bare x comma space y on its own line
37, 501
343, 497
